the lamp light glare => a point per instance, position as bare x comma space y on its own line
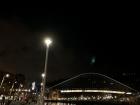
48, 41
43, 75
7, 75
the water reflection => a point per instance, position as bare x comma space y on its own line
58, 103
86, 103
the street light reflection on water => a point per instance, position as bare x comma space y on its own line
59, 103
50, 103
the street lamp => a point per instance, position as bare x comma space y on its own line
11, 90
48, 42
42, 75
5, 76
41, 84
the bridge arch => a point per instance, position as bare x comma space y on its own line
94, 74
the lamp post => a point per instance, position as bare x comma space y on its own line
5, 76
48, 43
11, 90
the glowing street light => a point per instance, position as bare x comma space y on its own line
11, 90
5, 76
41, 84
42, 75
48, 42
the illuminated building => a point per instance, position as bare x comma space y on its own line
91, 87
14, 80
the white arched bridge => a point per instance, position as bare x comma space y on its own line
92, 87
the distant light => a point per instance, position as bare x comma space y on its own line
7, 75
128, 93
25, 90
43, 75
93, 60
41, 84
21, 85
94, 91
33, 86
29, 90
48, 41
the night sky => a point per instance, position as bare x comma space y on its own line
84, 40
